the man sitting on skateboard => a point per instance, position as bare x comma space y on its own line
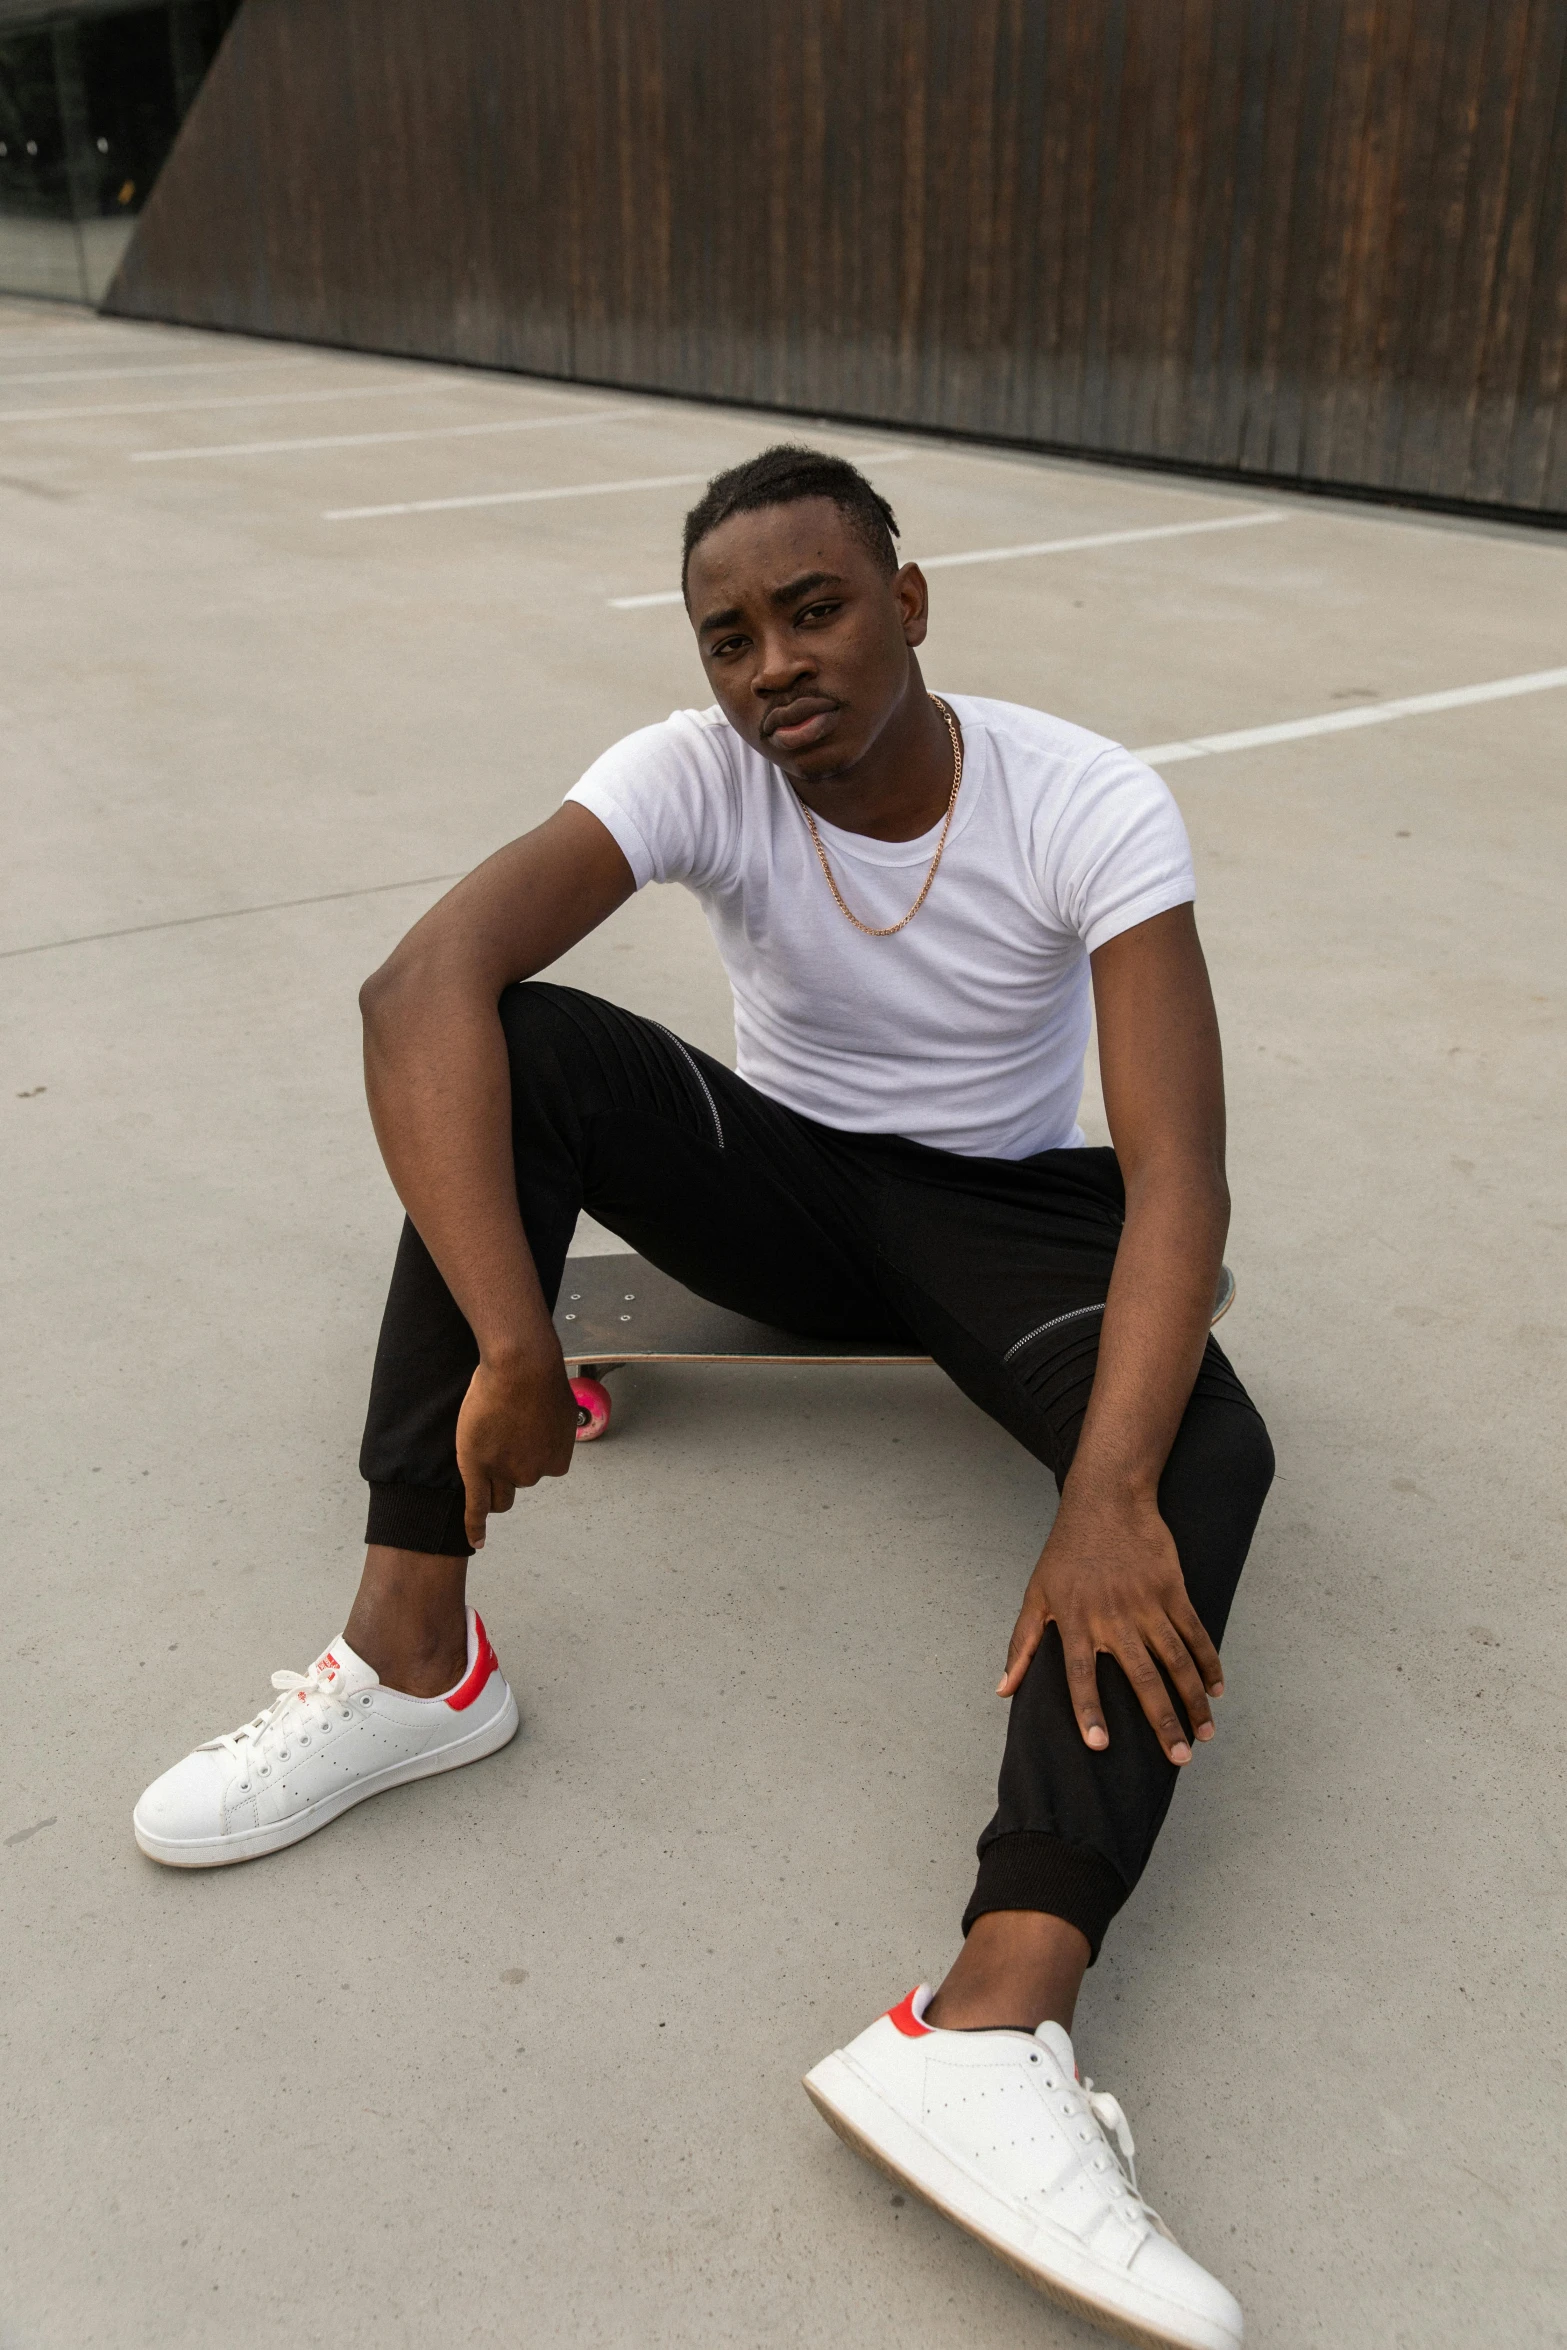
913, 896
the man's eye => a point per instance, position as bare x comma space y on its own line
725, 644
818, 611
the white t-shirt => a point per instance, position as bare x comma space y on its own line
966, 1030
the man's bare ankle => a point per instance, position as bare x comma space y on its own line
1018, 1969
422, 1672
409, 1620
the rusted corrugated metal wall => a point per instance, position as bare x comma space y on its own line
1322, 240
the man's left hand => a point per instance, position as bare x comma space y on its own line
1110, 1581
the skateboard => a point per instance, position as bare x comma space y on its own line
620, 1309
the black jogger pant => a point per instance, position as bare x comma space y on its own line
997, 1268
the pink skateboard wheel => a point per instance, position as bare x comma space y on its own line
592, 1408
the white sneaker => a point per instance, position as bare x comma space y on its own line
333, 1737
997, 2131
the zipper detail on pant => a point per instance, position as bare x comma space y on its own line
712, 1106
1076, 1315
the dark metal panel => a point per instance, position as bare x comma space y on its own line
1150, 99
1305, 238
1276, 235
1456, 103
1307, 232
1503, 339
1016, 85
1494, 114
1077, 103
1401, 324
1045, 335
1216, 228
1342, 146
1093, 428
1189, 166
1368, 246
1542, 396
1252, 174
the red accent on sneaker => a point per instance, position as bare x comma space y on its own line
485, 1663
906, 2021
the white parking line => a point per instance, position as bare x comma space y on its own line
581, 489
60, 375
1100, 538
365, 440
231, 400
1249, 738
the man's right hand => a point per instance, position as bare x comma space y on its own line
515, 1426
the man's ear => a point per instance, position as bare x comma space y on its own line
912, 597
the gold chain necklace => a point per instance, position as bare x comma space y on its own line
952, 801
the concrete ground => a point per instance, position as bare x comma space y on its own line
513, 2056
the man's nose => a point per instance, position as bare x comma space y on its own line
779, 664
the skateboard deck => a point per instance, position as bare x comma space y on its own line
620, 1309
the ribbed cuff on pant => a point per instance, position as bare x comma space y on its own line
1032, 1870
419, 1517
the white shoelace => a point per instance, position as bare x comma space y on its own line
284, 1724
1106, 2113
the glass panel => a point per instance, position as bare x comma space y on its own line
117, 102
88, 112
40, 248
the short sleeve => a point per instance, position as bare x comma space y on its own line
1118, 853
667, 796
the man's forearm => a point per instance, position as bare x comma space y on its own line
1109, 1576
439, 1088
1156, 1324
437, 1073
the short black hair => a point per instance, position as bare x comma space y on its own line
778, 477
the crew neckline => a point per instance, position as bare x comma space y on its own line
919, 851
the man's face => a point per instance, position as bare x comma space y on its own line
806, 643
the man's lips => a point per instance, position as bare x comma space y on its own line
793, 724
